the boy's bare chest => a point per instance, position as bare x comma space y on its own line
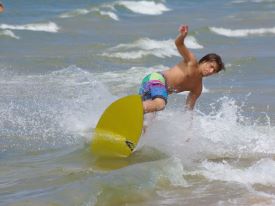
185, 80
186, 83
182, 78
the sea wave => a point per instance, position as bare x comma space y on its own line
261, 172
109, 9
131, 78
102, 11
74, 13
46, 27
9, 33
224, 132
110, 14
242, 32
40, 112
144, 7
146, 46
252, 1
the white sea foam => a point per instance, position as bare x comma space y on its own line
204, 90
242, 32
75, 13
46, 27
61, 107
262, 172
9, 33
109, 10
224, 132
110, 14
253, 1
145, 46
192, 43
131, 78
102, 10
144, 7
227, 132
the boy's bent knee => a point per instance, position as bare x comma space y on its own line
153, 105
160, 103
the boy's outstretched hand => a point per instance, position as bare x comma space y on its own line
183, 29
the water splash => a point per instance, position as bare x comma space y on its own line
224, 132
45, 111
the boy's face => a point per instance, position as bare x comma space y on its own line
209, 68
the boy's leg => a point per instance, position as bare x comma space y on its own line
154, 105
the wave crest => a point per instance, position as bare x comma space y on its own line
242, 32
9, 33
144, 7
145, 47
46, 27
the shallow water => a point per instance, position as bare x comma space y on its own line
62, 63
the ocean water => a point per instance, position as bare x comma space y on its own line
63, 62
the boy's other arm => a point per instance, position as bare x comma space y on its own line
192, 98
183, 50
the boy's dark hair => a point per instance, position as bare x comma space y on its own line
212, 57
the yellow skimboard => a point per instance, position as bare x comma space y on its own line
119, 128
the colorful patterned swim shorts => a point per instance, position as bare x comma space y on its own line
153, 86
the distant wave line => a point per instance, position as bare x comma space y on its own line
145, 47
79, 12
46, 27
242, 32
140, 7
144, 7
9, 33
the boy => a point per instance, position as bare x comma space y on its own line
185, 76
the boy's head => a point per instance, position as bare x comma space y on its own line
210, 64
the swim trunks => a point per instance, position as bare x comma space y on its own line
154, 86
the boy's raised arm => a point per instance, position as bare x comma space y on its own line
183, 50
